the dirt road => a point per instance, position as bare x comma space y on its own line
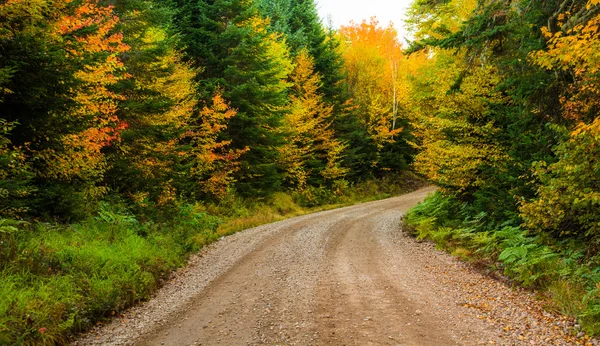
340, 277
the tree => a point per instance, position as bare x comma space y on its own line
213, 162
60, 60
231, 44
312, 153
372, 62
298, 22
158, 101
15, 176
515, 101
567, 197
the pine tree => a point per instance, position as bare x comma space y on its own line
157, 106
231, 44
301, 27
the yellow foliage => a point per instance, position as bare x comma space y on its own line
214, 162
374, 66
578, 52
568, 197
449, 16
307, 126
457, 140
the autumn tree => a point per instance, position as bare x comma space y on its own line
91, 45
63, 60
567, 198
520, 100
459, 142
158, 100
213, 163
312, 154
373, 65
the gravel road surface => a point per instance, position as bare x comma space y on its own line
340, 277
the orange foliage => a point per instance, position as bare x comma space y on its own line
214, 162
372, 60
92, 46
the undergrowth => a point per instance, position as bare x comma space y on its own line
57, 280
565, 271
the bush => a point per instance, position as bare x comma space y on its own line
568, 198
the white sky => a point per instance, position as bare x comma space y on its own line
342, 12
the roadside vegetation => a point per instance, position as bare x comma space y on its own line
506, 95
563, 271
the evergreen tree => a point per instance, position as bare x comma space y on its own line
157, 106
311, 154
298, 21
230, 43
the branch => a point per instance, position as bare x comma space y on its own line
560, 10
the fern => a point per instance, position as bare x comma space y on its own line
9, 226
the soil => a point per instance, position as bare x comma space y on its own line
341, 277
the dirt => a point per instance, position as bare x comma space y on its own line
342, 277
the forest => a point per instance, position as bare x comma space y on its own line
134, 132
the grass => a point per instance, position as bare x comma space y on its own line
563, 272
63, 278
58, 280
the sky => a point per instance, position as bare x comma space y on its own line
342, 12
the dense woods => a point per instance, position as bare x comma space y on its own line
505, 97
134, 132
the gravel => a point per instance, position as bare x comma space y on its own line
342, 277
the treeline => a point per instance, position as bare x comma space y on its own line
134, 132
157, 103
505, 95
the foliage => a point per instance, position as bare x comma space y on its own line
312, 153
15, 176
158, 101
301, 28
505, 100
568, 197
374, 67
231, 43
68, 52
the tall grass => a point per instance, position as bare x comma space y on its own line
59, 279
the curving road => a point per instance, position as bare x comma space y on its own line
341, 277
